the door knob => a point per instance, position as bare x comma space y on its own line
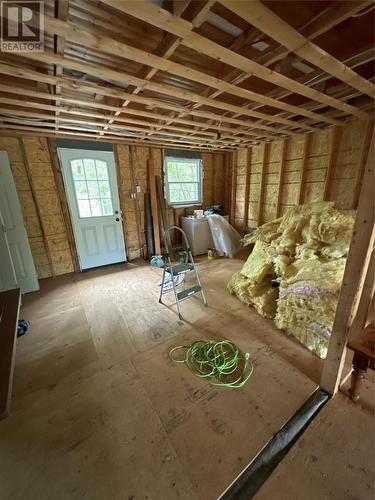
117, 219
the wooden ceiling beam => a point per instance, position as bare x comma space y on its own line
19, 130
318, 77
130, 124
78, 86
240, 41
169, 45
168, 90
179, 6
109, 45
267, 21
319, 25
323, 22
7, 122
162, 19
71, 110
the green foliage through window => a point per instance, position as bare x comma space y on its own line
183, 181
92, 188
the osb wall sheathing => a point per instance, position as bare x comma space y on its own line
306, 177
34, 175
133, 207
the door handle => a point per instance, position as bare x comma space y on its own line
117, 219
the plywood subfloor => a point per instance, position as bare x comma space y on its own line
335, 457
101, 412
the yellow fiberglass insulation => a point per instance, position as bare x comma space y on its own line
303, 253
253, 284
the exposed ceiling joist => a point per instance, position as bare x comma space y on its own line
75, 86
275, 27
107, 45
172, 24
190, 74
124, 78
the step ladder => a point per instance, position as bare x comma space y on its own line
177, 270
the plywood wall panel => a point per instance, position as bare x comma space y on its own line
33, 170
296, 147
313, 191
11, 146
344, 156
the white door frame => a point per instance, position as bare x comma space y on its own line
93, 224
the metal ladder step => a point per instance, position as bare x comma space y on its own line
180, 268
189, 291
179, 271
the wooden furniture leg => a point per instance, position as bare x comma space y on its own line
360, 365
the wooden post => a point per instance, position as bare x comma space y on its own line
154, 204
214, 197
135, 199
360, 320
262, 183
247, 189
226, 191
333, 141
362, 161
281, 177
301, 194
122, 208
233, 188
357, 263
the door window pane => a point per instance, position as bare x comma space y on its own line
81, 190
90, 170
107, 207
101, 168
84, 208
104, 189
96, 208
77, 170
92, 188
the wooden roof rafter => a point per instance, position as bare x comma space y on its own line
184, 83
324, 22
115, 92
164, 20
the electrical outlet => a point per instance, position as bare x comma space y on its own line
138, 189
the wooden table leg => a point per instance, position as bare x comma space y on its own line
360, 364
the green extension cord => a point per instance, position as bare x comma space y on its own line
217, 359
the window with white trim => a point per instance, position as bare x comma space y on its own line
183, 181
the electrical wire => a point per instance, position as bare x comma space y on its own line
220, 361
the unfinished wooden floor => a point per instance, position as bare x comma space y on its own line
99, 410
335, 456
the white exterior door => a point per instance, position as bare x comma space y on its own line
15, 232
91, 187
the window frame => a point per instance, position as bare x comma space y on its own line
184, 203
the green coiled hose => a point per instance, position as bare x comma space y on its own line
221, 361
